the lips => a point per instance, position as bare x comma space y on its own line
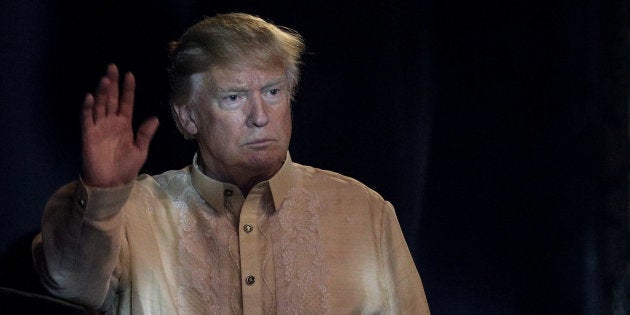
259, 143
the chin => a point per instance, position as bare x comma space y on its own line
268, 162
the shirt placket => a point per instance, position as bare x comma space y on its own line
251, 245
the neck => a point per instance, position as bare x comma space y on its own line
245, 180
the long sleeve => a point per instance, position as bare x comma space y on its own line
312, 241
406, 291
78, 251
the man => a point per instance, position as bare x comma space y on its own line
243, 229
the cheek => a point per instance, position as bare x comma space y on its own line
288, 121
226, 129
288, 124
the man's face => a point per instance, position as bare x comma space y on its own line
242, 117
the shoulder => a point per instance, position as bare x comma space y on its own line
172, 180
335, 183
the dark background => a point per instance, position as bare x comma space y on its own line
498, 129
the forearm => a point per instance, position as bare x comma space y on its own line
79, 246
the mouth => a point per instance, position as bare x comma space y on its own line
259, 143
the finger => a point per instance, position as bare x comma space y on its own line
128, 95
100, 98
112, 95
87, 112
146, 131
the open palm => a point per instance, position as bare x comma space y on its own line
112, 154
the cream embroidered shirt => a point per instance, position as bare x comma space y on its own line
307, 241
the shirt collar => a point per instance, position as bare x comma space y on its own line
214, 191
282, 181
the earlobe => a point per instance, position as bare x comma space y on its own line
186, 118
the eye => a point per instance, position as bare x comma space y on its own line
274, 91
231, 100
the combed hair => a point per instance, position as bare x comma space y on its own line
231, 39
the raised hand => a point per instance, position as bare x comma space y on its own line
112, 154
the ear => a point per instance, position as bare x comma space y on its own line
186, 118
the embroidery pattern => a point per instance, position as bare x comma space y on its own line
199, 255
302, 280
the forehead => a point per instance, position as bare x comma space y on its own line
224, 77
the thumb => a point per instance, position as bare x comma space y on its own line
146, 132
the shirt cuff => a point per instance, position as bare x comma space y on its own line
101, 203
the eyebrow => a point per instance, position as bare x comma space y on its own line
231, 89
242, 89
278, 81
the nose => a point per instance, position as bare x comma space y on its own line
257, 116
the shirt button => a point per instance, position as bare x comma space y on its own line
250, 280
248, 228
228, 193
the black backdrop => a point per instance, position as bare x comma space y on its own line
498, 129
